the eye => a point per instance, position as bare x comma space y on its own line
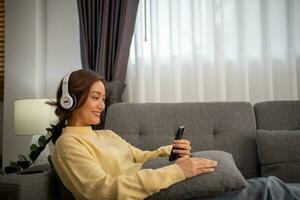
95, 98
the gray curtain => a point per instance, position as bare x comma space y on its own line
106, 29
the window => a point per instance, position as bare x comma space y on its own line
215, 50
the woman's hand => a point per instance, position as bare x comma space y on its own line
195, 166
182, 147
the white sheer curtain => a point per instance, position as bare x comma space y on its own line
215, 50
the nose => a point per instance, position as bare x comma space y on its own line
101, 105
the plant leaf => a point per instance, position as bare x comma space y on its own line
23, 164
42, 140
34, 154
10, 169
12, 163
33, 147
40, 149
22, 157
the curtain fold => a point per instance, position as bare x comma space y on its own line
215, 50
106, 29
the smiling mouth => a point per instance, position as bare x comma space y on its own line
97, 114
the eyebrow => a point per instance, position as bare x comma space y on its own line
97, 92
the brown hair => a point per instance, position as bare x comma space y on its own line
80, 82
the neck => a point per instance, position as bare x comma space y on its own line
74, 122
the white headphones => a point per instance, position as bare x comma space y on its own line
67, 101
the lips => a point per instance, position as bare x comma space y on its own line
97, 114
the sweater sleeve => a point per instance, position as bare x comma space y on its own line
85, 177
141, 156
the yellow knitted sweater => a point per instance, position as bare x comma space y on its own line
100, 165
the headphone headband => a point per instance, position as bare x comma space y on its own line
65, 84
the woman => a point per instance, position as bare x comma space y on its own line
100, 164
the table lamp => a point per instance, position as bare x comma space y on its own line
32, 117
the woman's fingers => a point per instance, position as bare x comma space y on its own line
182, 142
182, 147
196, 166
205, 163
182, 151
206, 166
205, 170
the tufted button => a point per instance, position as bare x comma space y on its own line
215, 132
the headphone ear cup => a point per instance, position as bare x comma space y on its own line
74, 103
68, 101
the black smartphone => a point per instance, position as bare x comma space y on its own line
178, 136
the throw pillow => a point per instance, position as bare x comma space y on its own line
279, 154
225, 178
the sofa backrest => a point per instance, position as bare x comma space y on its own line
278, 115
227, 126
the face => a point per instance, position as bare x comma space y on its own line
89, 112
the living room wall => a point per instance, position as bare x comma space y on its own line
42, 45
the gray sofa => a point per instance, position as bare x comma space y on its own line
226, 126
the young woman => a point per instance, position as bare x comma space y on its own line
100, 164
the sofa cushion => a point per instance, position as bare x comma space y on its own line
277, 115
279, 154
225, 178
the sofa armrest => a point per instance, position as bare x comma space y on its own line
28, 186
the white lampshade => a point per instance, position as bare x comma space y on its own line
33, 116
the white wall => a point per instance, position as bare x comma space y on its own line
41, 45
63, 44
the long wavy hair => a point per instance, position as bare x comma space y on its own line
80, 82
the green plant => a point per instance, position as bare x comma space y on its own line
24, 162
